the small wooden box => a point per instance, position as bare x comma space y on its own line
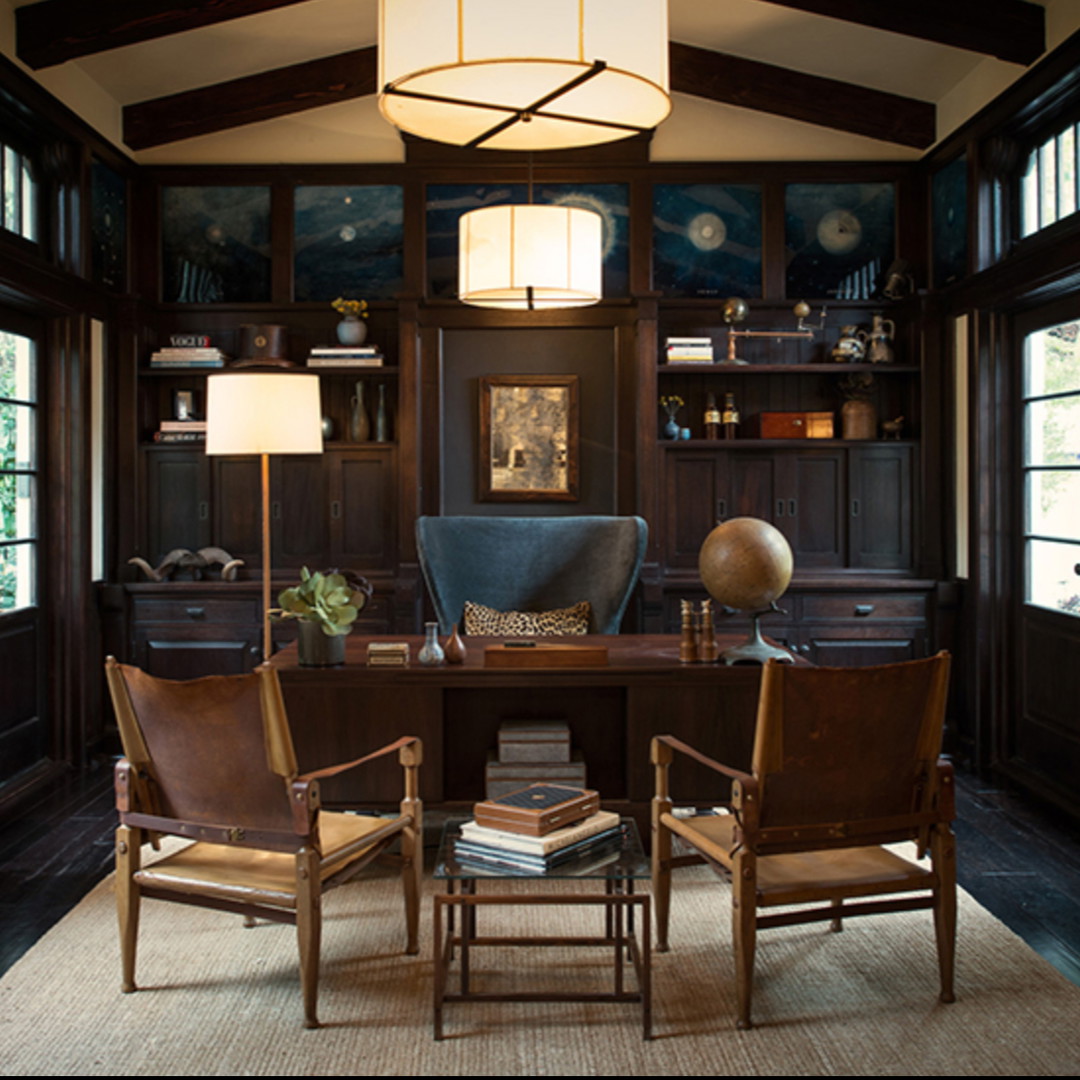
537, 809
545, 656
534, 742
789, 425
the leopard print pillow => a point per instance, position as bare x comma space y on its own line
483, 621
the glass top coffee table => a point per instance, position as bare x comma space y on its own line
615, 866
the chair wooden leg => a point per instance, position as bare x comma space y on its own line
943, 855
412, 848
309, 930
128, 856
837, 923
744, 931
661, 875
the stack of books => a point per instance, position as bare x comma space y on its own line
187, 351
388, 654
188, 357
345, 356
181, 431
537, 829
689, 350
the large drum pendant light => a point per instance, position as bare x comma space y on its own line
505, 76
530, 257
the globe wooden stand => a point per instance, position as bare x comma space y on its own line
755, 649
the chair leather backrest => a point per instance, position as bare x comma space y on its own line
531, 564
206, 747
847, 745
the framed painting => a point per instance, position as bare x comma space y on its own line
529, 449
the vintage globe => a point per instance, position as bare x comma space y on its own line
745, 563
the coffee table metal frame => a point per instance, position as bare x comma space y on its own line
626, 935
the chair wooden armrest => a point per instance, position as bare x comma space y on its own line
305, 788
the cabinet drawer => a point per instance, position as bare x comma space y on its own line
870, 606
195, 610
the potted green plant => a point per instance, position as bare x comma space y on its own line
326, 606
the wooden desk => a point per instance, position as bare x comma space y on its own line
341, 713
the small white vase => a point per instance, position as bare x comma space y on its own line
352, 330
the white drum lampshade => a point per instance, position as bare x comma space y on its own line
503, 76
530, 257
263, 414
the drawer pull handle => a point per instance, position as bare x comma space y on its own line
196, 612
204, 511
275, 511
793, 508
854, 508
335, 509
862, 610
779, 508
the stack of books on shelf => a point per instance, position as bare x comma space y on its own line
188, 351
181, 431
689, 350
538, 829
345, 356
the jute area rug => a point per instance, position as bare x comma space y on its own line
218, 999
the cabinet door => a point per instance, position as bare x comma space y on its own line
810, 507
177, 500
880, 507
695, 497
362, 508
299, 512
237, 508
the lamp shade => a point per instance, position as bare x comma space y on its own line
530, 257
506, 76
253, 413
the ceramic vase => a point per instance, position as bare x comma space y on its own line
352, 330
454, 647
382, 417
431, 652
359, 421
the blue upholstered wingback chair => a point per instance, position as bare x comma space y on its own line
531, 564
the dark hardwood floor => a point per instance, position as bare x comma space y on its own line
1018, 859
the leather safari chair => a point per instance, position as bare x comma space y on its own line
211, 760
845, 760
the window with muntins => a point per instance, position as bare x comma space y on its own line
18, 472
1048, 185
1051, 467
20, 193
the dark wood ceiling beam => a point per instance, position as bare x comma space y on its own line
256, 97
1008, 29
815, 100
53, 31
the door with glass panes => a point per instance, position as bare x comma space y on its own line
1045, 735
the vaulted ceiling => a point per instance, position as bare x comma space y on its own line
216, 81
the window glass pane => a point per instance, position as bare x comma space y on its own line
1048, 178
1066, 162
1053, 580
1053, 432
29, 203
17, 576
1052, 361
16, 436
1053, 503
16, 506
12, 188
1029, 197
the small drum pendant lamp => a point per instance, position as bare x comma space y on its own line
506, 76
530, 257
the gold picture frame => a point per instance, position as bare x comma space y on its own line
529, 444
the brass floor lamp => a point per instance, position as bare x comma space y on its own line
264, 413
